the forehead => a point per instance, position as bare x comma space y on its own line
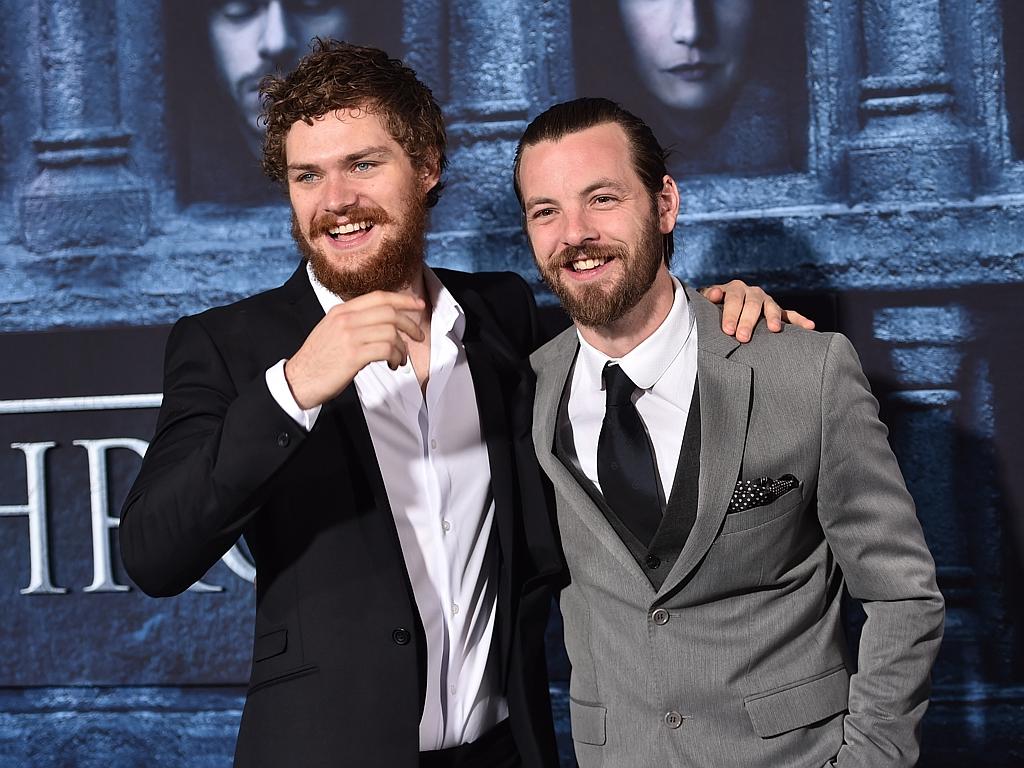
571, 163
338, 134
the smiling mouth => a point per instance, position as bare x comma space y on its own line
349, 229
585, 265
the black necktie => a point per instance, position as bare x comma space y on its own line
625, 463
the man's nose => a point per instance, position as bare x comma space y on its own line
689, 21
277, 40
579, 229
339, 195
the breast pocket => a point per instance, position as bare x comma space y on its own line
735, 522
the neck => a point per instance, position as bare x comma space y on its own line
622, 336
418, 287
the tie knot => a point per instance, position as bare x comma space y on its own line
619, 388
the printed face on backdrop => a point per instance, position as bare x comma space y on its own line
690, 54
595, 231
252, 38
358, 203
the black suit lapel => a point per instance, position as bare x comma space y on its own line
499, 384
345, 412
344, 416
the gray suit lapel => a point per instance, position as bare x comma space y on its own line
724, 412
553, 365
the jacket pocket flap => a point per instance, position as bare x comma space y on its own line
271, 644
800, 704
735, 522
588, 722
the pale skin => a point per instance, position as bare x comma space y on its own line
347, 159
343, 160
583, 189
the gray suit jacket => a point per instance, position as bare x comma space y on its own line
739, 659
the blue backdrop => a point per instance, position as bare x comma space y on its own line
865, 157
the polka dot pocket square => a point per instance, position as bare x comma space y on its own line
760, 492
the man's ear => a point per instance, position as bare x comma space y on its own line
429, 174
668, 205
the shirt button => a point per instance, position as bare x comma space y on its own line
652, 561
283, 439
451, 689
401, 636
455, 608
673, 719
433, 445
659, 616
445, 525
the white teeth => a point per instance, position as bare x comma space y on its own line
346, 229
586, 264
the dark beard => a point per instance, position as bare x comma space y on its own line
391, 267
596, 306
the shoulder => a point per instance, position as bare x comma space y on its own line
501, 301
240, 321
267, 303
792, 346
504, 286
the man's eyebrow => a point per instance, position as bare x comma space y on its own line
604, 183
539, 201
615, 184
365, 152
361, 154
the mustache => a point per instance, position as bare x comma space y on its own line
572, 253
325, 222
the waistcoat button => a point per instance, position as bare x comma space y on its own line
659, 616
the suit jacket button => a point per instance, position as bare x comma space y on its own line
673, 719
283, 439
401, 636
659, 616
652, 561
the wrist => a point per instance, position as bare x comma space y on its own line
294, 380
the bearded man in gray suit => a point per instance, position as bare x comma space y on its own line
713, 499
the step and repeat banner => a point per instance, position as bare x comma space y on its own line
862, 158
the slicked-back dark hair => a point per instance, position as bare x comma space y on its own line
337, 76
570, 117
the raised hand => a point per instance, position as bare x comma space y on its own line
371, 327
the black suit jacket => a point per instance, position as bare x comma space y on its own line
339, 658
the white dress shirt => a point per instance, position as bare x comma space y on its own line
664, 368
435, 468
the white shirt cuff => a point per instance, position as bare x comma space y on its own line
282, 393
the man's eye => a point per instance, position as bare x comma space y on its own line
305, 178
363, 166
604, 199
542, 213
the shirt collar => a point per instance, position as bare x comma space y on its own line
647, 362
447, 316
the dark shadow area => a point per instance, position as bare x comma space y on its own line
957, 452
1013, 51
